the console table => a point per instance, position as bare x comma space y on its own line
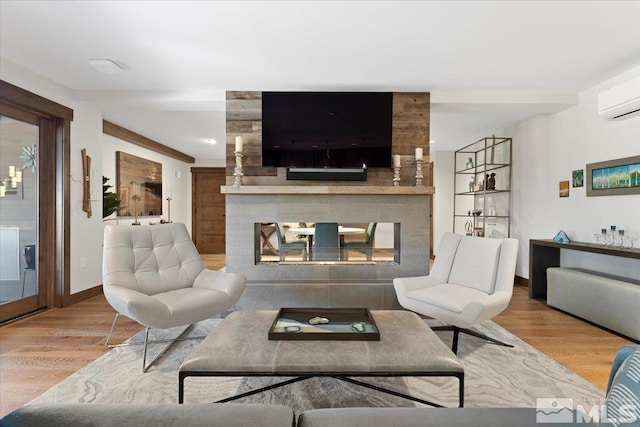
545, 253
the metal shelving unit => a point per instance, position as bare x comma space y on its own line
482, 188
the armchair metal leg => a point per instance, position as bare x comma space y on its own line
456, 332
145, 366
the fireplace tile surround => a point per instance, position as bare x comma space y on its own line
407, 206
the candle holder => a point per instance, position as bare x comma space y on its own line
135, 199
169, 208
419, 163
396, 176
237, 172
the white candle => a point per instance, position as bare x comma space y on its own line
2, 190
19, 176
396, 160
238, 143
419, 153
12, 171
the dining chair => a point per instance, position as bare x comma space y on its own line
284, 247
366, 247
327, 242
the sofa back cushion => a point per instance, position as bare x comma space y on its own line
150, 259
476, 263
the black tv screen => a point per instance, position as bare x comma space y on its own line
326, 129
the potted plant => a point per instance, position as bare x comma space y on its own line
110, 201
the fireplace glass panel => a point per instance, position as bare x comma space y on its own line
326, 242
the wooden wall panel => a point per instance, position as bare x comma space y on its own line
411, 118
244, 118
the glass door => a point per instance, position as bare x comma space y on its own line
20, 290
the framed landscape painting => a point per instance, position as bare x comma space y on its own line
614, 177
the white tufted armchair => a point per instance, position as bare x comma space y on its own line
154, 275
471, 281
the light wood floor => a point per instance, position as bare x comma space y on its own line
40, 351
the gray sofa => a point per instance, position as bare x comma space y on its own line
623, 404
149, 415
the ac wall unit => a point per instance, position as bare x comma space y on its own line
620, 102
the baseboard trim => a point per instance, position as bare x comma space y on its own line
84, 295
521, 281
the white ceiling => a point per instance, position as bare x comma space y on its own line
488, 64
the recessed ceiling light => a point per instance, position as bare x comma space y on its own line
107, 66
210, 141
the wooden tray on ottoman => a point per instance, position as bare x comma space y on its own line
345, 324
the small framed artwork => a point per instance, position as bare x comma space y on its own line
577, 178
614, 177
564, 189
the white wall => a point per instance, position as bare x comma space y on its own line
86, 132
546, 149
443, 198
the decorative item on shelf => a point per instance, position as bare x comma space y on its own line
396, 170
472, 184
492, 149
614, 237
492, 211
611, 240
601, 238
419, 161
136, 199
237, 172
86, 182
491, 181
479, 232
476, 212
561, 237
468, 228
469, 164
168, 209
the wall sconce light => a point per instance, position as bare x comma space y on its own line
9, 184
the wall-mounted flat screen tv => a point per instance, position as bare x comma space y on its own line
327, 129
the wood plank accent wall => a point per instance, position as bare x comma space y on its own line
411, 120
244, 118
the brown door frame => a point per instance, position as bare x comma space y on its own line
54, 170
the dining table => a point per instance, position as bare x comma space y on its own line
310, 232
